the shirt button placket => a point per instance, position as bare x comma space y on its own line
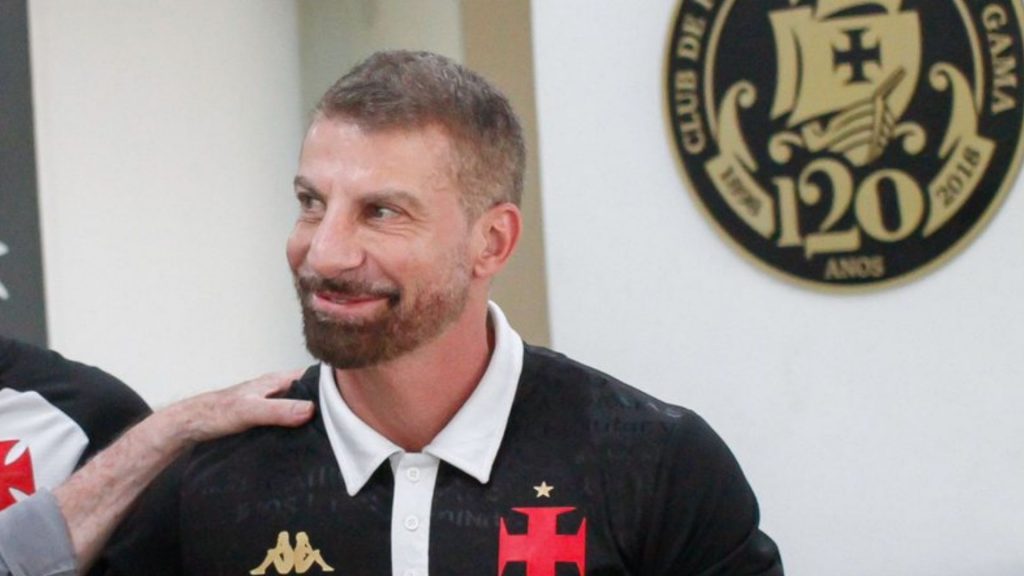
415, 476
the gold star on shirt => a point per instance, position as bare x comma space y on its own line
544, 490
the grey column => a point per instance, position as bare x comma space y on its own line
22, 306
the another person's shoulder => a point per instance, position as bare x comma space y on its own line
98, 402
26, 367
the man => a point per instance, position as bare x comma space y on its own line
58, 413
442, 444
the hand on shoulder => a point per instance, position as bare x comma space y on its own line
237, 408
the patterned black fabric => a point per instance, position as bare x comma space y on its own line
640, 487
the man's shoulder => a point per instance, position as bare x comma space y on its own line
259, 445
663, 466
307, 387
575, 385
586, 406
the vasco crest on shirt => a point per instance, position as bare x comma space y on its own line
848, 143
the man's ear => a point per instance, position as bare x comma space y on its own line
496, 234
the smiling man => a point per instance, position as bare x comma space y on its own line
442, 445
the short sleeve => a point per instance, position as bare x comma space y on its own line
704, 516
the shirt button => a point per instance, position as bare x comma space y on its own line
410, 573
413, 474
412, 523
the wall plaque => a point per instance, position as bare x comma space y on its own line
848, 143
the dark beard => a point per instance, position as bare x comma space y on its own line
400, 328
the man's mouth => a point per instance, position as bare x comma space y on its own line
344, 298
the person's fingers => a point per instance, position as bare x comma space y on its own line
246, 405
274, 412
256, 409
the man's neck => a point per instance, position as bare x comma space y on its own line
410, 399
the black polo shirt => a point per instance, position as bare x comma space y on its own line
592, 477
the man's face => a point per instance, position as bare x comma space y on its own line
379, 252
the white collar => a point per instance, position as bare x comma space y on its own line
469, 442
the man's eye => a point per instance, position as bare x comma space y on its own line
307, 201
382, 212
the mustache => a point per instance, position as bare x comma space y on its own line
349, 287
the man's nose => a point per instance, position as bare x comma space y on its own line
336, 247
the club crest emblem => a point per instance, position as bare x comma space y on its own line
541, 548
848, 143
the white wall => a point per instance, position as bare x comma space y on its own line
882, 432
337, 35
167, 135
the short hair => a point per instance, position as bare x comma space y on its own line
403, 89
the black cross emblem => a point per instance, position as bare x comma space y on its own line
857, 56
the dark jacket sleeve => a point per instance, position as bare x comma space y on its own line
704, 516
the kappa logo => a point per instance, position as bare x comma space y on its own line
16, 475
288, 560
848, 143
542, 547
